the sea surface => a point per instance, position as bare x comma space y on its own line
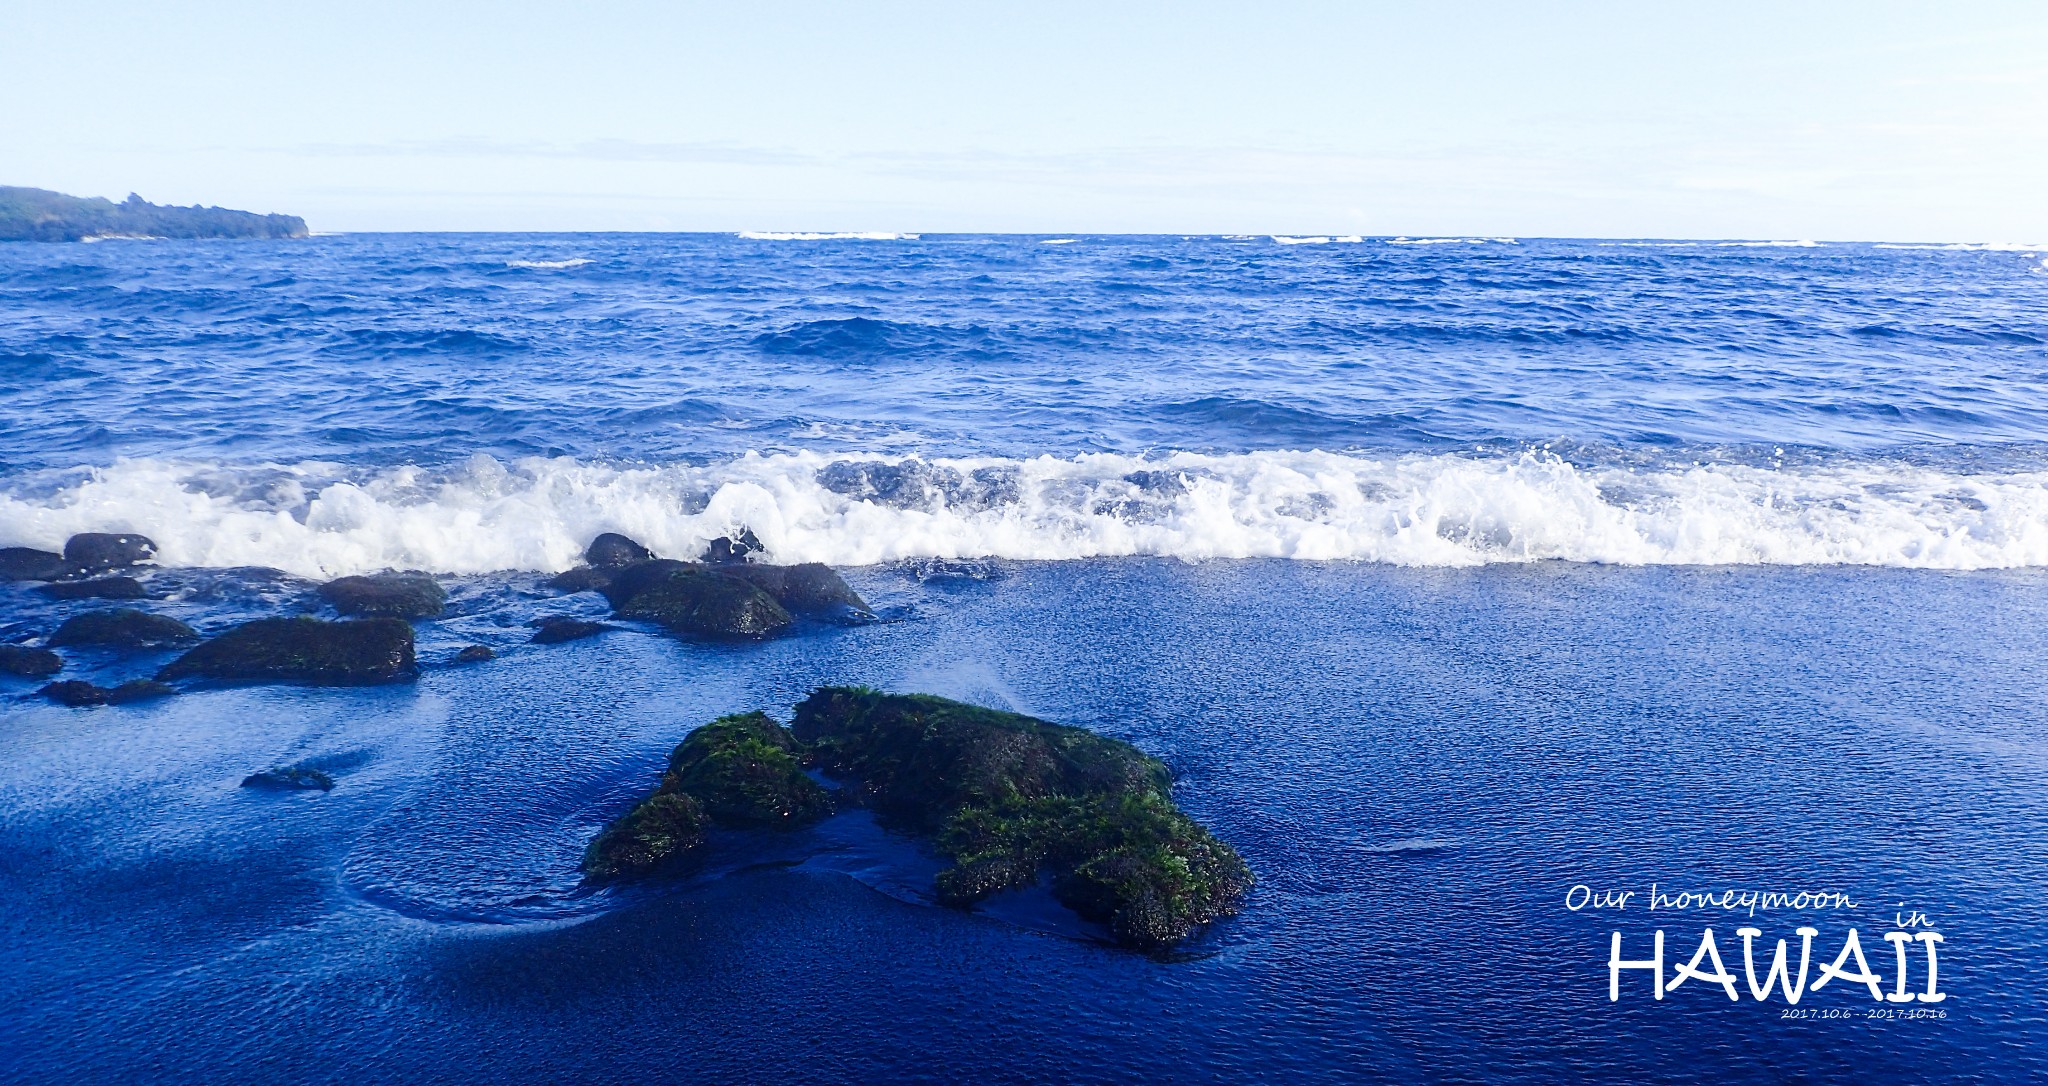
1448, 575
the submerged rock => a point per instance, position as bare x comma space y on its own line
290, 778
78, 694
556, 629
99, 588
612, 550
807, 589
726, 549
96, 551
694, 599
474, 654
399, 595
738, 771
29, 564
1010, 798
29, 663
123, 628
303, 649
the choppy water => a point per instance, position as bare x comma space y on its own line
1282, 514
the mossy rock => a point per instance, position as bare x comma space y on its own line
303, 650
691, 599
124, 628
742, 772
611, 550
555, 629
581, 579
29, 663
1011, 798
290, 778
397, 595
746, 771
664, 825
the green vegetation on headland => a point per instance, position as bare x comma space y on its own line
1007, 798
41, 215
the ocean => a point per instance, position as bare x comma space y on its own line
1465, 584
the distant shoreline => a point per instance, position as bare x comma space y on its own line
30, 214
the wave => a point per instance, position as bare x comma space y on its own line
1441, 509
856, 235
1346, 239
1058, 241
572, 262
1453, 241
1969, 247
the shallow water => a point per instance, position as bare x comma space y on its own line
1446, 577
1419, 765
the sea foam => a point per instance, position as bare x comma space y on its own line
854, 235
1439, 509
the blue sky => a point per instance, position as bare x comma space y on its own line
1782, 120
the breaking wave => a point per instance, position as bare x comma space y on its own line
572, 262
854, 235
319, 520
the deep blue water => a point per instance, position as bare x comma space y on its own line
1446, 577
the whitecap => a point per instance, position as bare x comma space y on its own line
1435, 509
572, 262
854, 235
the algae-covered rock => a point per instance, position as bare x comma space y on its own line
475, 654
810, 588
29, 564
29, 663
746, 770
99, 588
77, 693
665, 825
399, 595
303, 649
1011, 798
555, 629
124, 628
108, 550
742, 771
611, 550
290, 778
693, 599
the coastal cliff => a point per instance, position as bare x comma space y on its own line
28, 214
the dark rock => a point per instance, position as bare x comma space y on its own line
809, 589
726, 549
29, 564
1009, 797
739, 771
303, 649
665, 825
399, 595
107, 550
29, 663
475, 654
611, 550
583, 579
290, 778
78, 694
124, 628
556, 629
693, 599
100, 588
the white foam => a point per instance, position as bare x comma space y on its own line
1453, 241
1971, 247
1058, 241
1416, 510
572, 262
856, 235
1283, 239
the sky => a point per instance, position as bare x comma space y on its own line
1832, 121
